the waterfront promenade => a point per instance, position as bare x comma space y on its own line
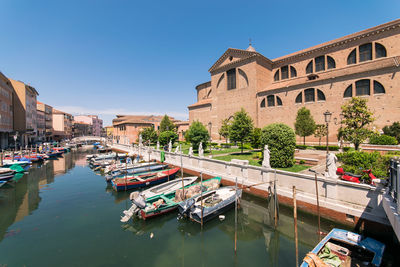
353, 204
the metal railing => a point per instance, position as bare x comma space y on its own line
394, 181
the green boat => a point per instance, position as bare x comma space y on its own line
164, 203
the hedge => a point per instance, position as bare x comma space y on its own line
382, 140
331, 148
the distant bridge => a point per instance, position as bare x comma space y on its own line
88, 138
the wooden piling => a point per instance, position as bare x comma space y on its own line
201, 197
295, 225
1, 159
236, 215
183, 184
319, 217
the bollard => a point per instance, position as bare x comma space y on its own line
295, 225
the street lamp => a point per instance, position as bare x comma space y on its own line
327, 116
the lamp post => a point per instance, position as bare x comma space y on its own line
327, 116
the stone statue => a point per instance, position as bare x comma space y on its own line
331, 160
190, 151
158, 145
201, 151
266, 163
170, 146
140, 140
177, 150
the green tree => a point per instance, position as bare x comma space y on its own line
356, 119
224, 130
305, 124
320, 131
281, 141
241, 128
149, 133
197, 133
166, 136
256, 138
393, 130
167, 125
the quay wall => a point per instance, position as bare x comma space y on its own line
353, 204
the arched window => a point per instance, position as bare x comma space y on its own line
351, 59
363, 87
348, 92
276, 76
209, 94
331, 62
231, 74
319, 63
243, 74
220, 79
380, 50
299, 98
284, 72
309, 68
365, 51
278, 101
378, 88
293, 72
271, 101
320, 95
262, 105
309, 95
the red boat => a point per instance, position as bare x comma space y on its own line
144, 179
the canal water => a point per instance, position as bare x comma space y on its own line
64, 214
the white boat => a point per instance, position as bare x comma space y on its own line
165, 188
214, 203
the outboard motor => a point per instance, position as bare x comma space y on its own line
139, 201
186, 209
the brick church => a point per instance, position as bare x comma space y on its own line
364, 64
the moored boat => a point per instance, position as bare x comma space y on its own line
142, 167
143, 180
345, 248
164, 203
2, 183
213, 203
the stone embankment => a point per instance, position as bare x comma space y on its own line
350, 203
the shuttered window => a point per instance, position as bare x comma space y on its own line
231, 74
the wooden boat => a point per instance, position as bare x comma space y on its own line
214, 203
8, 163
122, 168
162, 189
138, 170
142, 180
164, 203
166, 188
345, 248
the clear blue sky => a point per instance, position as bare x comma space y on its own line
116, 56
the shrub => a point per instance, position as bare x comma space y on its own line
197, 133
302, 161
382, 140
301, 146
347, 149
165, 136
356, 161
256, 138
281, 141
331, 148
393, 130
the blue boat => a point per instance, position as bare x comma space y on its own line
137, 169
345, 248
2, 183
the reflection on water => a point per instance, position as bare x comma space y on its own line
64, 208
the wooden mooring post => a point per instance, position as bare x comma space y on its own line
201, 197
295, 225
236, 207
183, 184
